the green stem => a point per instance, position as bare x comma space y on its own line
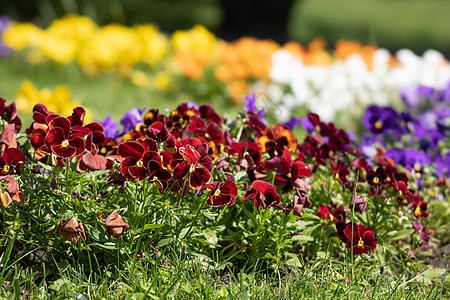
195, 218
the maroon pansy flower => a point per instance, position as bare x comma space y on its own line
419, 207
195, 165
404, 194
222, 193
331, 213
363, 238
158, 175
10, 162
137, 155
376, 178
61, 141
263, 193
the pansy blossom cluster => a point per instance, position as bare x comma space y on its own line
11, 157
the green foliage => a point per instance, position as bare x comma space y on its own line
417, 25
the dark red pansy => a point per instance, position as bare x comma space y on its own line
137, 155
376, 178
404, 194
10, 162
158, 175
196, 165
60, 140
362, 239
222, 193
332, 214
263, 194
419, 207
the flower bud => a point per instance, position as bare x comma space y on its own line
115, 225
71, 229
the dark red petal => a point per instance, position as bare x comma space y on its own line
181, 170
55, 136
61, 122
95, 126
137, 172
215, 132
199, 177
130, 148
63, 152
261, 186
300, 169
77, 143
190, 154
229, 188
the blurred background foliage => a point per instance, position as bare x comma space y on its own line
392, 24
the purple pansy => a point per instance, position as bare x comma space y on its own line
250, 105
110, 127
379, 119
294, 121
4, 23
132, 118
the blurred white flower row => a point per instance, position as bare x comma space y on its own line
349, 85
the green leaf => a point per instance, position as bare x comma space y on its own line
152, 226
62, 283
302, 238
400, 234
78, 296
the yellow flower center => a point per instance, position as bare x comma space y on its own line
217, 193
65, 144
139, 164
331, 218
378, 124
6, 169
289, 175
418, 168
418, 212
336, 176
405, 201
192, 169
360, 243
103, 150
376, 180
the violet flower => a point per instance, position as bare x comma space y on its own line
307, 124
110, 127
380, 119
132, 118
294, 121
250, 105
4, 23
442, 163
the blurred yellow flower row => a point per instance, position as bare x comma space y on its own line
58, 100
186, 53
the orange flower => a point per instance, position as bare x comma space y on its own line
279, 136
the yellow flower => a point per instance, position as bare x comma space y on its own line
112, 45
154, 43
77, 28
22, 35
58, 100
162, 81
60, 49
140, 79
198, 39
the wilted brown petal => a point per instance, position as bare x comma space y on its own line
71, 229
115, 225
5, 198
